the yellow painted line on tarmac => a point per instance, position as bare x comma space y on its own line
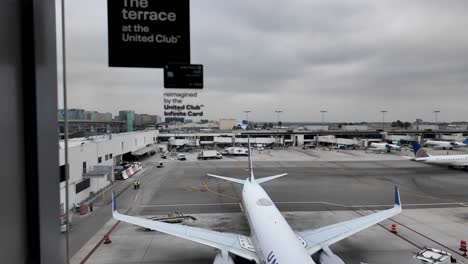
215, 192
198, 188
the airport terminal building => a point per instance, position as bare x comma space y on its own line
92, 161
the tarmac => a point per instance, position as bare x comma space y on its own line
322, 187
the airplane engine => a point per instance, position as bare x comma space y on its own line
220, 260
328, 257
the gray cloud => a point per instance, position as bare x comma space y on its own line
352, 58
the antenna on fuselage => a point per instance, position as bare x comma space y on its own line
251, 175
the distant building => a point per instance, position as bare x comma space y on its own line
419, 121
128, 116
193, 126
97, 116
355, 127
87, 158
73, 114
144, 120
227, 124
171, 120
316, 127
425, 127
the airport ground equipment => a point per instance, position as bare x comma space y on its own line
209, 154
236, 151
430, 255
181, 157
174, 218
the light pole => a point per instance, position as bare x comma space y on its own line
383, 119
436, 112
247, 116
323, 118
278, 112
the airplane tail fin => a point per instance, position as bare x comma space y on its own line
419, 152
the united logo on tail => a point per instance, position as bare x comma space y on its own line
419, 152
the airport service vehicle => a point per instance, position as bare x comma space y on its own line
433, 256
385, 146
209, 154
446, 144
236, 151
272, 240
308, 147
181, 157
457, 161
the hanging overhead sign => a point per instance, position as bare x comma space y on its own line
148, 33
188, 76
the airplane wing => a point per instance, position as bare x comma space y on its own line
220, 240
317, 239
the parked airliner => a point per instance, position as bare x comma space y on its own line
385, 146
446, 144
272, 240
421, 155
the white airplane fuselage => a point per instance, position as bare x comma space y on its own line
454, 160
274, 240
445, 144
384, 146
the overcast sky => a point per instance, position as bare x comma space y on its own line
351, 58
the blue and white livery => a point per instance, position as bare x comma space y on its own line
385, 147
420, 155
446, 144
272, 240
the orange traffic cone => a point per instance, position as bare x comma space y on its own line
463, 247
393, 229
107, 239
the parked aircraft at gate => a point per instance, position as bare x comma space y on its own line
387, 147
272, 240
446, 144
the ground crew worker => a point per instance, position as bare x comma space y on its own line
139, 184
91, 206
135, 185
